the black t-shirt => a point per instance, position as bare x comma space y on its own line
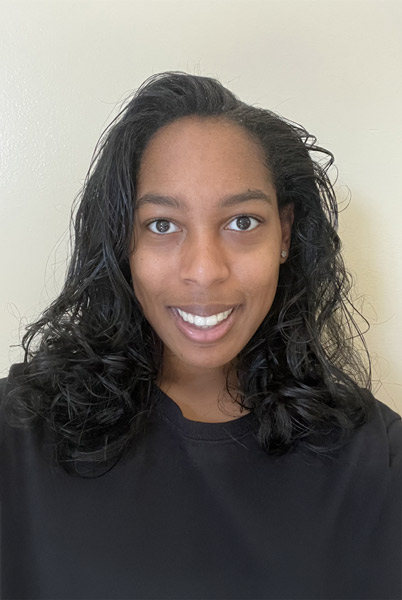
199, 510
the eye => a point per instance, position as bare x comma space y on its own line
161, 226
243, 223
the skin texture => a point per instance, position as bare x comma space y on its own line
205, 257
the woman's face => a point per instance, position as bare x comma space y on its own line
208, 239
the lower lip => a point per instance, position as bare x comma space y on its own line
196, 334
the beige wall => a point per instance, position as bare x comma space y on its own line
332, 65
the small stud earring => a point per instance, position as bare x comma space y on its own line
284, 254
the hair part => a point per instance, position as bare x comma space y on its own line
92, 359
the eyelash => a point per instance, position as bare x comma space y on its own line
259, 220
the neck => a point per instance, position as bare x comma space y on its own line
201, 393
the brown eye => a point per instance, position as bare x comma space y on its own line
243, 223
161, 226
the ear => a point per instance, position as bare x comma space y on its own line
286, 215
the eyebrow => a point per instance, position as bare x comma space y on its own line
226, 201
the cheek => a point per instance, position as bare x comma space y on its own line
148, 279
140, 277
260, 279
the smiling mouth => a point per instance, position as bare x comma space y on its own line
204, 322
204, 330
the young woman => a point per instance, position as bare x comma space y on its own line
191, 419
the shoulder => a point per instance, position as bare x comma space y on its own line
386, 414
392, 422
379, 440
19, 432
7, 383
15, 377
11, 442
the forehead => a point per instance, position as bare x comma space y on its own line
202, 152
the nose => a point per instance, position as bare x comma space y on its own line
204, 260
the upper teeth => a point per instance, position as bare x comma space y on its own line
204, 321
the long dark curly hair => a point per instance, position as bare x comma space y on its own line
89, 378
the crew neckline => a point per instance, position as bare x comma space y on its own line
171, 413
